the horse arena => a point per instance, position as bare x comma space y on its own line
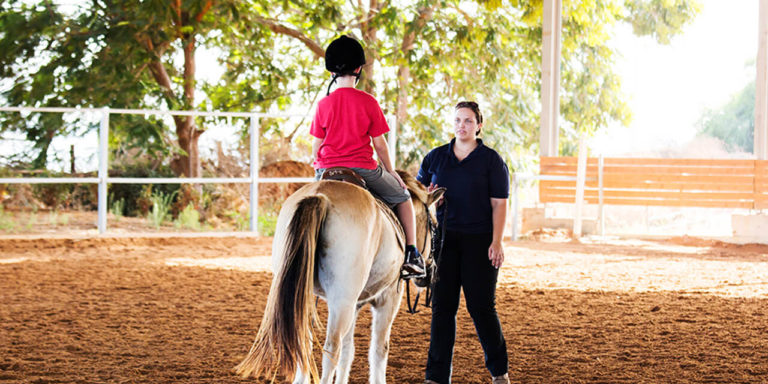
185, 309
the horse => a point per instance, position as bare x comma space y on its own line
333, 239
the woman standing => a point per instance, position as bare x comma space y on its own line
477, 182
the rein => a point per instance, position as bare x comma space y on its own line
434, 255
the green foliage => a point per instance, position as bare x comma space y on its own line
734, 122
161, 208
137, 196
63, 196
31, 221
241, 220
116, 207
55, 218
423, 57
120, 54
189, 217
661, 19
267, 223
7, 223
52, 195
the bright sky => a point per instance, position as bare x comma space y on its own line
668, 87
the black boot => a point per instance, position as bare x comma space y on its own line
413, 267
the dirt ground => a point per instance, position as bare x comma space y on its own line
184, 309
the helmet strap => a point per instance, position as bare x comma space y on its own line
333, 80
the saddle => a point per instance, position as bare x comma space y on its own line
343, 174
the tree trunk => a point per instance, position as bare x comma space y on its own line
188, 163
369, 31
404, 70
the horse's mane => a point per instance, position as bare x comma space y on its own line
414, 186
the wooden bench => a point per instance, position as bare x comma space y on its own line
660, 182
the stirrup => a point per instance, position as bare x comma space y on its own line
407, 274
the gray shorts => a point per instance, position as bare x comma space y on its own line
380, 182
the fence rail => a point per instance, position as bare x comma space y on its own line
103, 180
715, 183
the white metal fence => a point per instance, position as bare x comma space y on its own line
103, 178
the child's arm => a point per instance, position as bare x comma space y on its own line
380, 145
316, 146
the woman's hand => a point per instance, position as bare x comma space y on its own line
496, 254
431, 188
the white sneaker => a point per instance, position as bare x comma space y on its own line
503, 379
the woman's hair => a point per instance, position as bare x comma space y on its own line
475, 108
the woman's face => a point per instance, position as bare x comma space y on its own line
465, 125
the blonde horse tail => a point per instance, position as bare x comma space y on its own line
285, 336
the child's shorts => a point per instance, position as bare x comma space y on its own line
380, 182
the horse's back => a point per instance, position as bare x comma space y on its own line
358, 243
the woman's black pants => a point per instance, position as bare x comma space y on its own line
464, 264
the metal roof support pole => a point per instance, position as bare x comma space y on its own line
550, 77
761, 85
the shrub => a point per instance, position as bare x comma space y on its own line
189, 217
116, 207
161, 207
240, 221
7, 223
267, 223
137, 197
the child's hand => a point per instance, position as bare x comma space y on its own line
399, 180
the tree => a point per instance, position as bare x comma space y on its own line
427, 54
733, 122
424, 55
122, 54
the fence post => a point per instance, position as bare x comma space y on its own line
514, 206
103, 169
254, 203
601, 212
581, 171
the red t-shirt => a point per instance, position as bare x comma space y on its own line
346, 120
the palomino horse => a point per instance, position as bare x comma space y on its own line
335, 240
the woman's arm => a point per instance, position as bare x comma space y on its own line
499, 212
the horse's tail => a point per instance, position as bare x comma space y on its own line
285, 336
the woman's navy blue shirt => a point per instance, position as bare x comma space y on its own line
470, 183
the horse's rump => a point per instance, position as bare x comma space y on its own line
284, 339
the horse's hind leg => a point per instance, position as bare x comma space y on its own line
300, 377
347, 354
341, 317
384, 310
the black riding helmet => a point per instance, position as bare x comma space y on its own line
342, 57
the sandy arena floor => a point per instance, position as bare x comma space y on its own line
185, 310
